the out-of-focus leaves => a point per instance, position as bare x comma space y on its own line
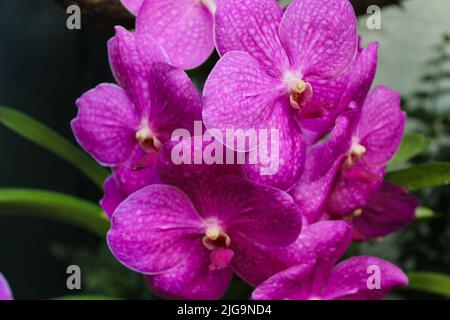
427, 175
86, 297
430, 282
423, 212
412, 145
54, 205
45, 137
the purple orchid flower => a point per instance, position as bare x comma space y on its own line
183, 27
343, 172
189, 235
279, 70
124, 127
349, 280
388, 210
5, 290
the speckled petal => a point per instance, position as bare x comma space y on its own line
252, 26
192, 279
381, 125
5, 291
350, 280
183, 27
112, 196
285, 149
239, 94
176, 102
130, 56
155, 229
388, 210
106, 124
320, 36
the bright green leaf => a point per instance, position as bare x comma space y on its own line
422, 176
430, 282
423, 212
412, 145
59, 206
45, 137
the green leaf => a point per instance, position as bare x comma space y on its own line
430, 282
422, 176
59, 206
86, 297
45, 137
412, 145
423, 212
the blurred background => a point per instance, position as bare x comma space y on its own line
45, 67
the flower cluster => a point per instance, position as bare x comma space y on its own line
189, 227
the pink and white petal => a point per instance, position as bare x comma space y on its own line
130, 178
388, 210
294, 283
112, 197
155, 229
381, 126
130, 56
252, 26
322, 164
5, 290
258, 213
184, 28
132, 5
240, 95
353, 188
281, 157
352, 279
106, 124
320, 36
175, 101
192, 279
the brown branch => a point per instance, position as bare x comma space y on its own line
108, 13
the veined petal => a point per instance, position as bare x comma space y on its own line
320, 36
155, 229
175, 101
381, 125
240, 95
192, 279
252, 26
5, 290
130, 56
106, 124
388, 210
355, 279
183, 27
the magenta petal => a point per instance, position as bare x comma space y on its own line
155, 229
322, 164
320, 36
192, 279
381, 125
130, 56
239, 94
176, 102
183, 27
252, 26
106, 124
112, 197
5, 291
352, 278
388, 210
286, 165
129, 178
291, 284
132, 5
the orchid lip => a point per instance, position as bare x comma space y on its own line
147, 139
300, 91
